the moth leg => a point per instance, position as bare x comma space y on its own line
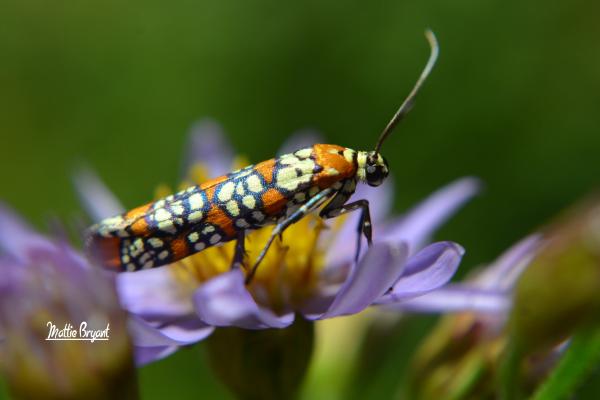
240, 250
364, 223
309, 206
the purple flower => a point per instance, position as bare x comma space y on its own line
311, 271
490, 292
47, 286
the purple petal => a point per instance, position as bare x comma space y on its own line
454, 298
427, 270
298, 140
146, 355
152, 343
186, 330
225, 301
373, 276
17, 238
208, 145
154, 294
145, 335
97, 200
418, 224
13, 278
177, 332
505, 271
380, 202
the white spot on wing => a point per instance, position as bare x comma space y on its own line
122, 233
288, 159
162, 215
306, 166
208, 229
148, 265
163, 254
304, 153
195, 216
145, 257
254, 184
177, 208
159, 204
167, 226
214, 239
226, 191
239, 188
257, 215
249, 201
196, 201
112, 222
286, 178
232, 208
155, 242
349, 155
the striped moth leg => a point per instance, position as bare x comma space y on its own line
364, 223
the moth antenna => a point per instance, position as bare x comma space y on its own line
409, 101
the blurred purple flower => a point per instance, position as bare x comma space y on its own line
311, 271
469, 342
47, 282
547, 295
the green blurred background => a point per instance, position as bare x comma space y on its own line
514, 99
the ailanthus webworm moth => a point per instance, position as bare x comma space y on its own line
279, 192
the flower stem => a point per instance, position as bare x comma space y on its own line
264, 364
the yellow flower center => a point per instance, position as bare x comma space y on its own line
286, 276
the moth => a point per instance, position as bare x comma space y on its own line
279, 192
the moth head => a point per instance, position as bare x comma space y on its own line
372, 168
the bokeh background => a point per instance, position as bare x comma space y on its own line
514, 100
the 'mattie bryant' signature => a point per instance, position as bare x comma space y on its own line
83, 333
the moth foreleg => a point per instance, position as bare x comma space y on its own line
364, 222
